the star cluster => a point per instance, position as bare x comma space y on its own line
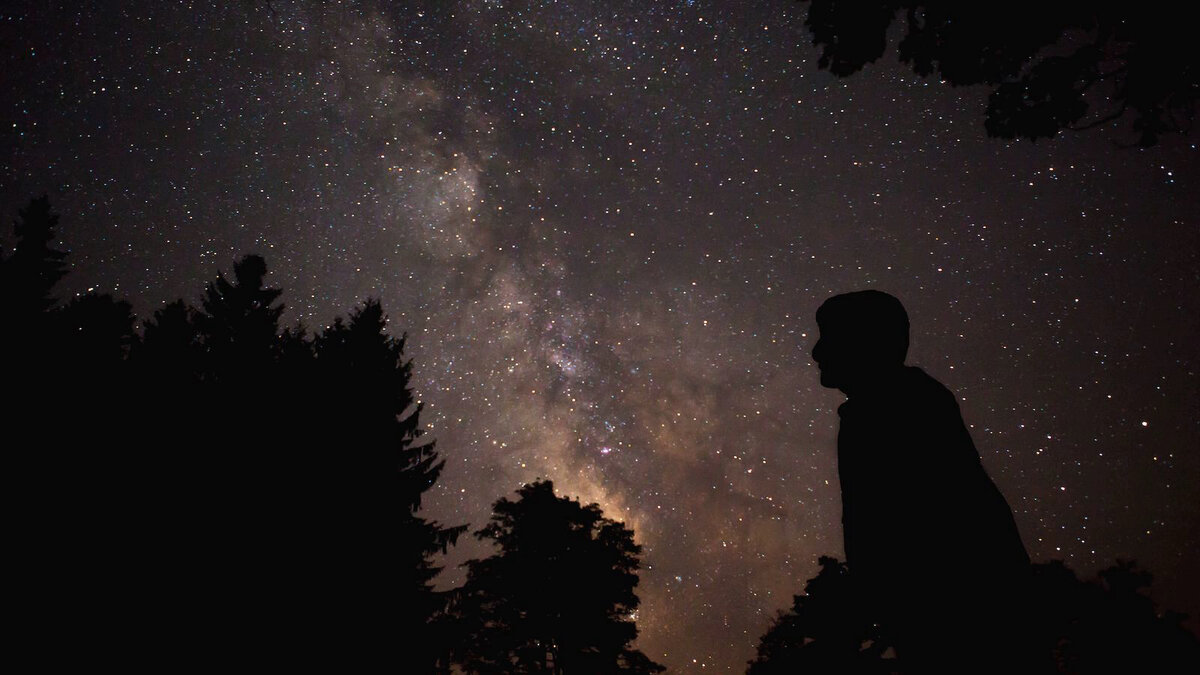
606, 227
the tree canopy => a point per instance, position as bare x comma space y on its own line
216, 486
558, 596
823, 632
1050, 66
1105, 625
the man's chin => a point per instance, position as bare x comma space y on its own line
828, 381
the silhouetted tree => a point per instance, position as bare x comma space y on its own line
88, 344
1109, 625
239, 321
1046, 63
31, 272
239, 492
167, 364
66, 447
245, 416
27, 278
558, 596
96, 330
387, 466
171, 335
824, 632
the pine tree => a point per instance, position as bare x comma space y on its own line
171, 338
369, 408
68, 461
239, 324
27, 279
245, 407
96, 331
34, 267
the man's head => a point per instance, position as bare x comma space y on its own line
864, 336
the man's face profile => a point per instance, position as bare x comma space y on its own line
830, 354
863, 336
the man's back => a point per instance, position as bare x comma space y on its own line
913, 490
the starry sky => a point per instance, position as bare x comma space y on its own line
606, 226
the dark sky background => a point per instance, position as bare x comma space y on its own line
606, 227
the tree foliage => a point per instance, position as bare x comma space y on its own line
371, 406
823, 632
558, 596
1107, 625
33, 269
241, 493
1050, 66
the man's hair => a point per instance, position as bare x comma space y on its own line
872, 319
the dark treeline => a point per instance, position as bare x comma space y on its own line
213, 490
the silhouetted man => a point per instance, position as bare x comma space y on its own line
930, 541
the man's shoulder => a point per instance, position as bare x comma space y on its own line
918, 383
911, 389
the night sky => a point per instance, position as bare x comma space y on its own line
606, 226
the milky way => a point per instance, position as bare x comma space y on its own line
606, 226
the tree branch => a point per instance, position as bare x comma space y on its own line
1103, 120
